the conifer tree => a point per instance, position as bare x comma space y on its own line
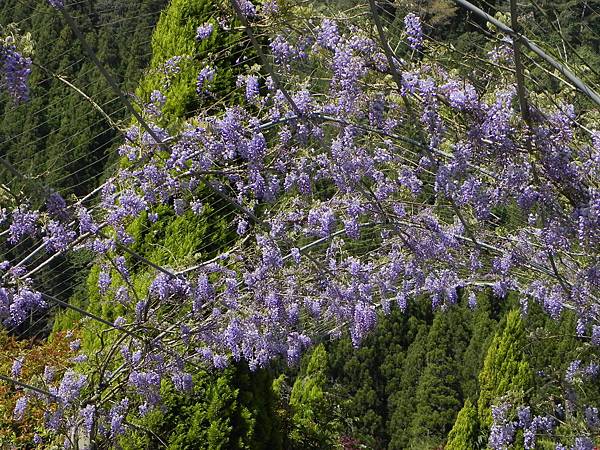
438, 396
175, 36
465, 432
312, 411
360, 386
402, 403
232, 410
483, 327
505, 369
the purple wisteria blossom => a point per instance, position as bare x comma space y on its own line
58, 237
572, 370
104, 280
247, 7
20, 408
270, 7
116, 416
414, 31
57, 206
206, 75
282, 50
14, 73
327, 34
322, 220
252, 87
15, 307
204, 31
503, 430
24, 223
86, 222
365, 318
70, 386
15, 371
49, 373
88, 415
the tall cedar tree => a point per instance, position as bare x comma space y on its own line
402, 403
438, 396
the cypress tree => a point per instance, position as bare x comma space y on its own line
402, 403
465, 432
360, 386
505, 370
229, 410
312, 425
438, 395
483, 327
175, 35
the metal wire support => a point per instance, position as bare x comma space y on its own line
577, 82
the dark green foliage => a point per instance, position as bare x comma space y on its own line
365, 379
438, 396
406, 383
483, 327
183, 239
58, 137
231, 410
359, 388
402, 403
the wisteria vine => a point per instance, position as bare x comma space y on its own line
352, 198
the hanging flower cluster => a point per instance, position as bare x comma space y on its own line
15, 65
